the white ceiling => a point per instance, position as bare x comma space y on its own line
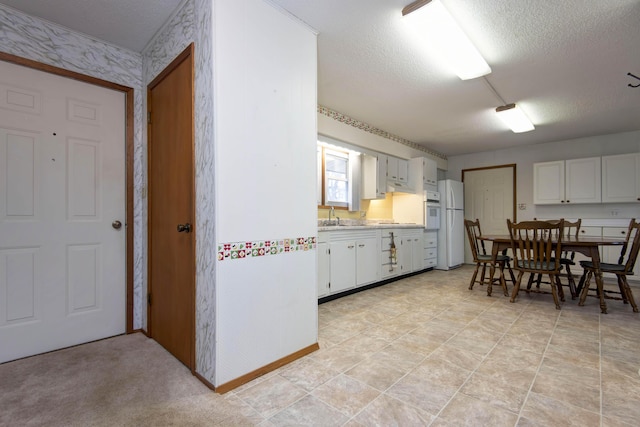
564, 62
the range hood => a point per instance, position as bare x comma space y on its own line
399, 187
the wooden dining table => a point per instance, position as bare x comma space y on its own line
586, 245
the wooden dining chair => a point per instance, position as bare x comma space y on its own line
480, 257
571, 229
537, 249
622, 269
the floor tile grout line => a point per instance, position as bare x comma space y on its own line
600, 367
483, 359
384, 392
524, 403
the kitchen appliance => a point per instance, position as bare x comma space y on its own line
432, 210
451, 232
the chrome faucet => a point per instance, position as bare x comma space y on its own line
332, 211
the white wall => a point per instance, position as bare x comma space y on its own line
525, 157
32, 38
265, 150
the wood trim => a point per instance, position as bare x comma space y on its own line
189, 51
223, 388
204, 381
129, 150
515, 181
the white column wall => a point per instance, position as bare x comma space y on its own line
265, 146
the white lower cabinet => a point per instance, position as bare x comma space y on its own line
430, 251
324, 269
611, 254
351, 260
343, 265
367, 260
608, 254
411, 251
348, 259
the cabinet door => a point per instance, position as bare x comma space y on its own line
430, 171
417, 253
548, 183
586, 231
611, 254
583, 182
405, 257
367, 261
343, 265
374, 177
621, 178
381, 183
324, 269
403, 170
392, 168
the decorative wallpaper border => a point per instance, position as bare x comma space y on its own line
241, 250
374, 130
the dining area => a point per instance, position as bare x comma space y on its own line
553, 255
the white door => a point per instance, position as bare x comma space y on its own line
488, 195
62, 264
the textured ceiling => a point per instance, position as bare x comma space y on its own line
564, 62
125, 23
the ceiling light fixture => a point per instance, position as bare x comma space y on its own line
515, 118
434, 23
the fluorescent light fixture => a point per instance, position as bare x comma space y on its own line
434, 24
515, 118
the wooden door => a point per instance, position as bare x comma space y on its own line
62, 185
171, 209
489, 195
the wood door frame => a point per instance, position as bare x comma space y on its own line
185, 54
129, 146
510, 165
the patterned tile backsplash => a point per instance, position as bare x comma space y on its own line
240, 250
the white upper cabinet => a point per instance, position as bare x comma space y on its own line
548, 183
572, 181
583, 180
621, 178
397, 169
374, 176
429, 171
423, 174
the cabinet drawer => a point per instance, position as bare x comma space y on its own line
430, 263
591, 231
615, 232
430, 253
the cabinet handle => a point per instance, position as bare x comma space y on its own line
361, 245
562, 201
568, 201
350, 247
623, 232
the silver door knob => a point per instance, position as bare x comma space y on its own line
184, 228
116, 224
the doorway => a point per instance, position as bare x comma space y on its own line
490, 196
171, 201
66, 217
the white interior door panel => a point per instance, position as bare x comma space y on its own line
62, 163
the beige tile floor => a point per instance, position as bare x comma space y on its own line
427, 351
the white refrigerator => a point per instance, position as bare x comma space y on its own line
451, 233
